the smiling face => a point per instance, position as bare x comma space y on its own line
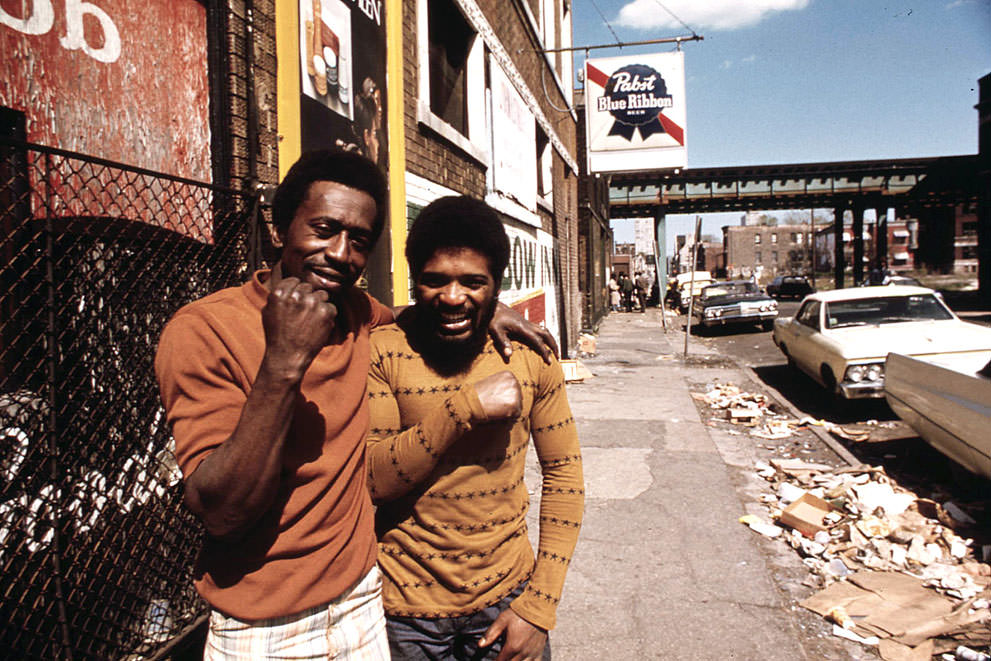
329, 239
455, 296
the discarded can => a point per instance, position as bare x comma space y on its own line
839, 615
967, 654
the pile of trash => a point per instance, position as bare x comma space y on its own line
894, 569
754, 410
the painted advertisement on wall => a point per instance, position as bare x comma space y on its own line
514, 144
636, 112
342, 76
125, 81
528, 284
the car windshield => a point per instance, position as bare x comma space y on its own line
729, 288
885, 310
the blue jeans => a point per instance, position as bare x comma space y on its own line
448, 638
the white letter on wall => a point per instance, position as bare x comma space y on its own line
39, 21
75, 39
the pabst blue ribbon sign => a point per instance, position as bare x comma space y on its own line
635, 107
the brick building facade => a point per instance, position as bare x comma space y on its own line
766, 250
488, 113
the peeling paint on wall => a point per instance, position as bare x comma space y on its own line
149, 106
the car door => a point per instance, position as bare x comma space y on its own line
805, 329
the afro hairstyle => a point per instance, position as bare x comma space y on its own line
350, 169
458, 222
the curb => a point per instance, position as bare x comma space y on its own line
781, 400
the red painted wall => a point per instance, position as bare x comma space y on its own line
126, 81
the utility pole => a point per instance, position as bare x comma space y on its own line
812, 246
691, 285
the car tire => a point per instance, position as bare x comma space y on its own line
791, 361
767, 325
829, 381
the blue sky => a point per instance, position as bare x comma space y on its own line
792, 81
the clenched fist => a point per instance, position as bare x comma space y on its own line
298, 321
501, 396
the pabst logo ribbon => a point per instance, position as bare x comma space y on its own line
636, 96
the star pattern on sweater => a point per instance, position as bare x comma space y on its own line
562, 461
437, 614
540, 594
467, 554
459, 422
555, 425
553, 520
469, 495
473, 526
555, 557
489, 460
571, 491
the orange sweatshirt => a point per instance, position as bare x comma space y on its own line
318, 539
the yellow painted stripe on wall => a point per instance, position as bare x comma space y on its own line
397, 150
288, 88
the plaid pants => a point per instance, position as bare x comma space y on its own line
350, 628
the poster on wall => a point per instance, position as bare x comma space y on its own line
514, 148
636, 112
528, 284
342, 76
125, 81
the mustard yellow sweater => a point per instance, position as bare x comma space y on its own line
452, 502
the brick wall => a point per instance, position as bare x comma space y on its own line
431, 156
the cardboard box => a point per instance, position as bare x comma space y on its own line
574, 371
806, 515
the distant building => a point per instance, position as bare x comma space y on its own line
644, 241
766, 250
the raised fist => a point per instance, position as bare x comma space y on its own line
298, 321
501, 396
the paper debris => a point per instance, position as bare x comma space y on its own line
763, 527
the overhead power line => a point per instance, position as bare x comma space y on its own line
675, 17
605, 20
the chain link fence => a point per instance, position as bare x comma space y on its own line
96, 549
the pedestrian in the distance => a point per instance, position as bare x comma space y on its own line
626, 286
613, 294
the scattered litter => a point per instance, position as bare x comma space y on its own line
807, 515
575, 371
890, 568
586, 345
763, 527
849, 635
958, 514
964, 653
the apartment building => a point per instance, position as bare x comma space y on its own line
766, 250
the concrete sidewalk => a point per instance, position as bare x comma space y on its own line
663, 570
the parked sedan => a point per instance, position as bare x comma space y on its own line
841, 338
795, 286
734, 302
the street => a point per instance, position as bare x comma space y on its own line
891, 443
663, 568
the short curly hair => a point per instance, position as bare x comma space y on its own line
348, 168
458, 222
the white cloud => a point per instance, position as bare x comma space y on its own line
702, 14
749, 58
726, 64
959, 3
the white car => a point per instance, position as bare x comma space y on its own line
841, 338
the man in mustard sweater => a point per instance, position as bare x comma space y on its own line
450, 426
